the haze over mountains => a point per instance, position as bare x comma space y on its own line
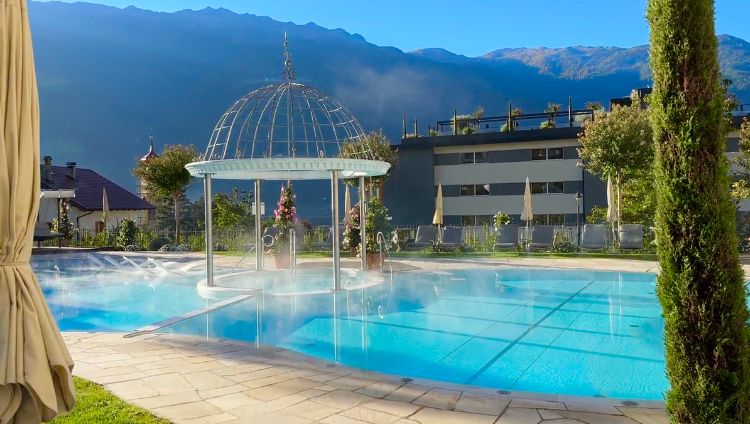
109, 77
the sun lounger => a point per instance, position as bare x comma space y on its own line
507, 237
542, 237
426, 236
594, 237
631, 237
452, 239
43, 233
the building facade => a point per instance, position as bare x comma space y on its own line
86, 207
484, 170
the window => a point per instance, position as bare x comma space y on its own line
538, 154
467, 190
485, 219
538, 188
556, 219
555, 153
472, 220
474, 157
482, 190
475, 190
468, 220
556, 187
551, 219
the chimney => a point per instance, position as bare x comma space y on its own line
47, 168
71, 169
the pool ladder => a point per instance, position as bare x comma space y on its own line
381, 242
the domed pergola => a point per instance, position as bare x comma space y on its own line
284, 131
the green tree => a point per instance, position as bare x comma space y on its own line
741, 162
373, 146
701, 284
127, 233
619, 145
166, 176
232, 210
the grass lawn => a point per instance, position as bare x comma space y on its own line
96, 405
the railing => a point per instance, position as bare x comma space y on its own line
529, 121
241, 240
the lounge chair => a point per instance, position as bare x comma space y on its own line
631, 236
42, 233
594, 237
426, 236
542, 237
507, 237
452, 239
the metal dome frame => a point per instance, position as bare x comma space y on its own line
262, 162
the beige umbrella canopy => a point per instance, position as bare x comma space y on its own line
437, 219
347, 206
527, 214
35, 366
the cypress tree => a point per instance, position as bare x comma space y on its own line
701, 285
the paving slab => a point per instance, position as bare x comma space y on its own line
232, 382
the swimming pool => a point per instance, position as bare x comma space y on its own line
552, 331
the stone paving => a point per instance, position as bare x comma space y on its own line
192, 380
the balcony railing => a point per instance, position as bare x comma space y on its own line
529, 121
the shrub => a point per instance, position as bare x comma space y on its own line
157, 243
197, 243
127, 232
561, 244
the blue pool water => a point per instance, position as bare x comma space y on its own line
551, 331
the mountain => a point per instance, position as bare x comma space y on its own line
110, 77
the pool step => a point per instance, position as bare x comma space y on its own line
179, 318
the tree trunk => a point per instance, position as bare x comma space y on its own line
700, 286
177, 219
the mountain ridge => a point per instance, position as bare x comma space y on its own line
109, 78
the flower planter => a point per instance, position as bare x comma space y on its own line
281, 261
375, 261
64, 242
353, 252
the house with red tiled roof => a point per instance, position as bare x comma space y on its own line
86, 207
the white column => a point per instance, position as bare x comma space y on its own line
362, 230
207, 196
259, 248
336, 235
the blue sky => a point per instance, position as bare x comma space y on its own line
472, 27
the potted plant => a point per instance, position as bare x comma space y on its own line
351, 231
285, 216
551, 110
377, 220
501, 219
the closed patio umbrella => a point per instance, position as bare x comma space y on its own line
35, 366
347, 206
105, 207
437, 219
527, 214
